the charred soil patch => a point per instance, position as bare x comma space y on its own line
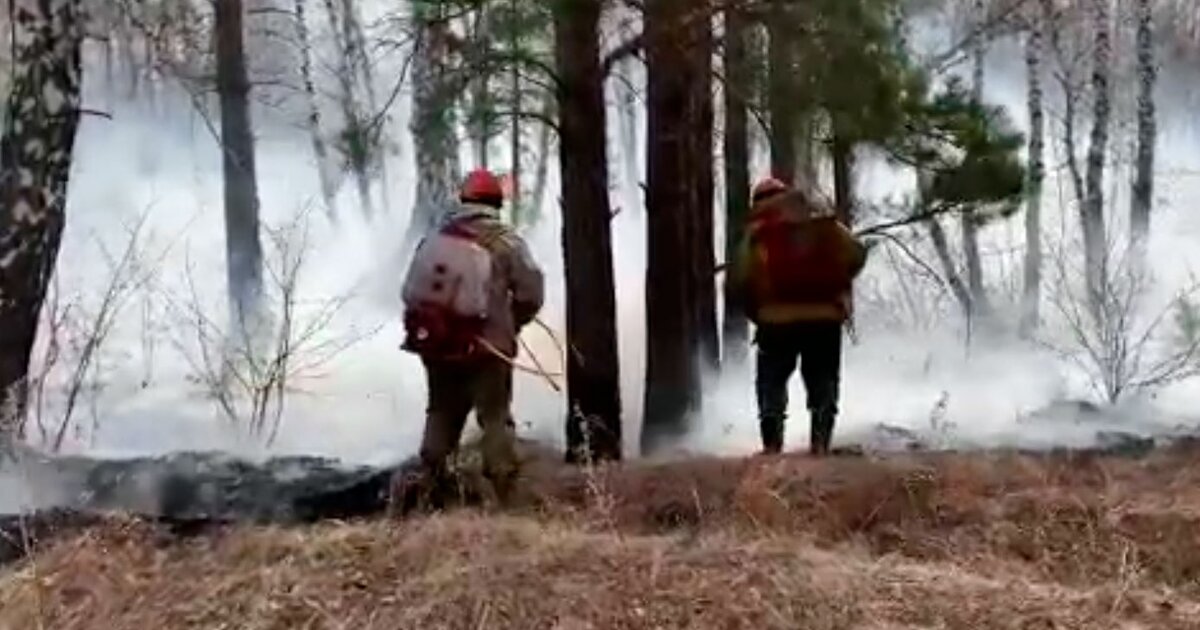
998, 540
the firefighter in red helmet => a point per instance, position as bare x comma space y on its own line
471, 288
795, 269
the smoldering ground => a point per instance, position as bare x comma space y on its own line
144, 394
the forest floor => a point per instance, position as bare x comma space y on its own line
983, 540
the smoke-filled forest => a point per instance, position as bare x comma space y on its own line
209, 209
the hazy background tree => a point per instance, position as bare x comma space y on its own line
1095, 236
1142, 203
434, 120
979, 305
314, 119
243, 247
1035, 21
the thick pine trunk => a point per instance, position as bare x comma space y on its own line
672, 367
781, 100
737, 179
701, 172
320, 150
1147, 127
1092, 211
242, 244
435, 142
1032, 290
593, 372
35, 166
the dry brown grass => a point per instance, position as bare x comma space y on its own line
933, 541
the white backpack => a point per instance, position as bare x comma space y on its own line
446, 293
452, 272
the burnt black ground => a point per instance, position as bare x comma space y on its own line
189, 493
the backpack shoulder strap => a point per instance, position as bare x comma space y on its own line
495, 237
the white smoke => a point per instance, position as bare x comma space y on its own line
368, 403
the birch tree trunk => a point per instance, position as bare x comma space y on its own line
1092, 211
1147, 127
593, 368
35, 167
242, 244
320, 150
375, 126
433, 122
354, 135
627, 121
1031, 292
968, 222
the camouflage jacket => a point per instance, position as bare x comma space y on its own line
518, 285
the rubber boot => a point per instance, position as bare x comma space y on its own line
821, 433
771, 432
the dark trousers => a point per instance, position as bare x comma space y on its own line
455, 390
818, 348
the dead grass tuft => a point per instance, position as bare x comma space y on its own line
980, 541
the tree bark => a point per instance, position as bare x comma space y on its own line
481, 98
354, 139
941, 247
435, 142
541, 169
781, 100
701, 171
627, 120
968, 223
376, 131
673, 299
593, 369
1032, 290
737, 179
842, 156
320, 150
242, 244
515, 199
1147, 127
1094, 235
35, 168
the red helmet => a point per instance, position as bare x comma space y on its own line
767, 187
481, 186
